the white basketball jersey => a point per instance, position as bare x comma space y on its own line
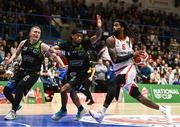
122, 48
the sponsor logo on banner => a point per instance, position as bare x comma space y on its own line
145, 92
165, 93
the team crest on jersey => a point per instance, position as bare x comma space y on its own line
35, 51
127, 42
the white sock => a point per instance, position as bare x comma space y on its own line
103, 110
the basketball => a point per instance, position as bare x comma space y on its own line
141, 59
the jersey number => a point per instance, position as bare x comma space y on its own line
123, 46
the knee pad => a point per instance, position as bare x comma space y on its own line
134, 92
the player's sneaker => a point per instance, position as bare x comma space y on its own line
166, 111
98, 116
80, 114
11, 115
59, 115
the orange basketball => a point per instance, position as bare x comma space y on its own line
141, 59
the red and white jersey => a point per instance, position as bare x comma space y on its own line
122, 48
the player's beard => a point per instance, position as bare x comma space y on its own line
116, 33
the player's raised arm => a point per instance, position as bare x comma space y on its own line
94, 39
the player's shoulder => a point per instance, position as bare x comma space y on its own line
110, 40
23, 42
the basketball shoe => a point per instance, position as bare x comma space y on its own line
58, 115
166, 111
80, 114
98, 116
11, 115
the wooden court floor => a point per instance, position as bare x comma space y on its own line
39, 115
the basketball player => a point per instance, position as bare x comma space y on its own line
32, 51
85, 87
78, 66
121, 55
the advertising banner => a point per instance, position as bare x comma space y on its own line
35, 95
157, 93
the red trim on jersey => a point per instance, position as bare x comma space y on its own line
128, 72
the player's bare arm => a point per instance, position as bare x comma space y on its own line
16, 53
94, 39
46, 50
111, 48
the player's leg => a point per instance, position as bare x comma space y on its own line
22, 87
87, 92
73, 94
8, 90
133, 90
112, 84
63, 110
111, 93
135, 93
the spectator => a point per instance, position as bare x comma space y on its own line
20, 37
170, 76
2, 54
145, 73
155, 76
100, 74
163, 80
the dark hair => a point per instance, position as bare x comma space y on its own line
125, 25
35, 27
75, 31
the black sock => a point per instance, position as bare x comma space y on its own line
64, 109
80, 108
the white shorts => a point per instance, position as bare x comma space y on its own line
130, 75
